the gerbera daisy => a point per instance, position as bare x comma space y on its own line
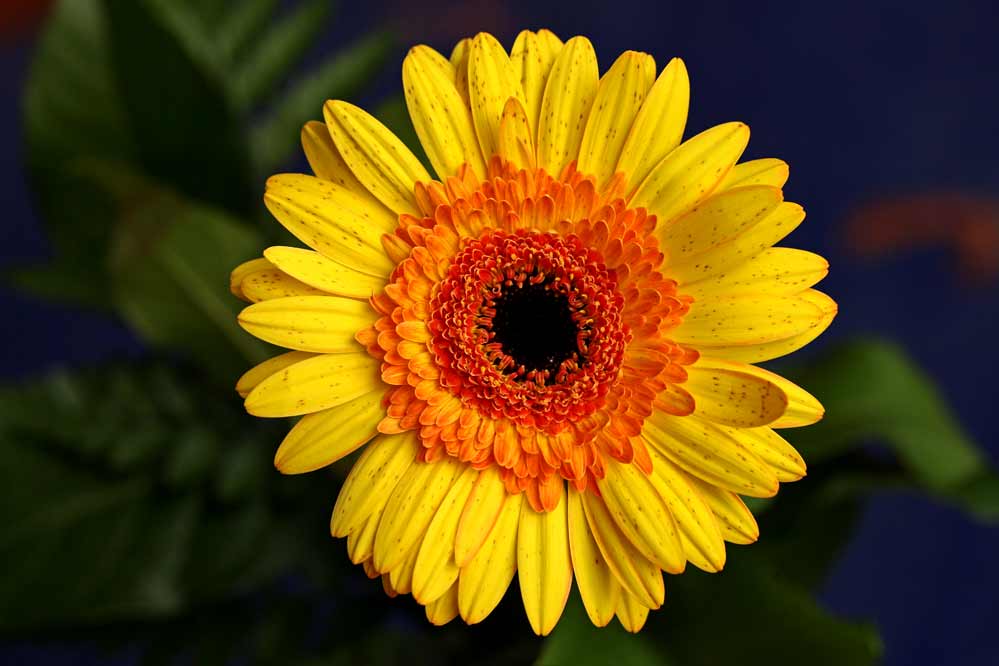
547, 348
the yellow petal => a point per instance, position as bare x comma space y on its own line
515, 143
323, 324
779, 271
743, 320
244, 269
597, 585
383, 163
401, 575
735, 520
260, 280
317, 271
633, 571
459, 60
492, 80
734, 394
315, 384
642, 515
484, 580
271, 283
658, 127
704, 450
445, 608
802, 409
549, 41
767, 171
361, 542
326, 163
532, 56
342, 225
262, 371
440, 116
459, 53
691, 171
631, 613
699, 533
322, 438
739, 249
772, 449
372, 480
436, 571
411, 507
569, 93
479, 514
543, 566
619, 96
777, 348
387, 584
717, 219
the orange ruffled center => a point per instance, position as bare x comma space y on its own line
525, 328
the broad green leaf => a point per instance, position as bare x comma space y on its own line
170, 271
576, 641
210, 13
67, 279
278, 51
72, 109
807, 527
170, 263
71, 101
88, 540
750, 614
979, 495
341, 76
244, 22
188, 132
873, 392
150, 84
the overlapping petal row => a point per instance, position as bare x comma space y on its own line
548, 349
524, 230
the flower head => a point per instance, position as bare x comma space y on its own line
548, 348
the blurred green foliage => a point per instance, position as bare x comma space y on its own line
192, 96
141, 507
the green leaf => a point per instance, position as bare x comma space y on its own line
576, 641
242, 25
750, 614
210, 13
808, 526
341, 76
170, 269
68, 279
980, 496
71, 109
150, 84
88, 541
71, 101
188, 132
170, 262
873, 391
747, 615
278, 52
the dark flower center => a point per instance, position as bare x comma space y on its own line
533, 325
527, 326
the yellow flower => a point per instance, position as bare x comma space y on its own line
548, 349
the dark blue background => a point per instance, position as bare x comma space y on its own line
863, 99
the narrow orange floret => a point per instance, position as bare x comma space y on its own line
526, 326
